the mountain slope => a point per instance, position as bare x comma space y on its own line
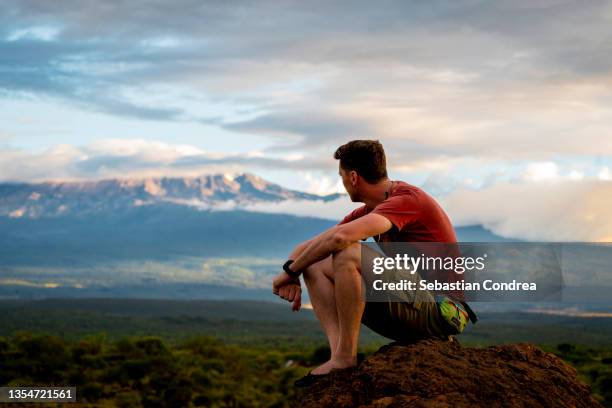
161, 232
132, 234
50, 199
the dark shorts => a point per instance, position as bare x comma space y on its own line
405, 321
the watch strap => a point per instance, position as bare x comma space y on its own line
288, 271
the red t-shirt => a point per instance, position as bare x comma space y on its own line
416, 217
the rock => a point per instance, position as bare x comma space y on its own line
434, 373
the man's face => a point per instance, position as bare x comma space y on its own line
347, 177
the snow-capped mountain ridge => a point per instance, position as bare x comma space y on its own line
55, 198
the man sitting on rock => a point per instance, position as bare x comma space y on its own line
393, 211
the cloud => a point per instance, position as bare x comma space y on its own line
545, 210
560, 210
471, 99
332, 210
542, 171
304, 129
444, 79
124, 158
321, 184
542, 209
530, 200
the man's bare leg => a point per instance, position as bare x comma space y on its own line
323, 299
349, 302
346, 284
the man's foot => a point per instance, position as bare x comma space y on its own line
333, 364
324, 369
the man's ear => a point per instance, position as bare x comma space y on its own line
353, 177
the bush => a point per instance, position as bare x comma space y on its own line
320, 355
565, 348
147, 372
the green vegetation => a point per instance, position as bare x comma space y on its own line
134, 352
593, 364
201, 371
146, 371
236, 322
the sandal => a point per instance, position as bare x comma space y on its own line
311, 378
308, 379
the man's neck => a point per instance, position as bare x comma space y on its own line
376, 194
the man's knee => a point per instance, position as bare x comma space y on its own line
348, 258
318, 269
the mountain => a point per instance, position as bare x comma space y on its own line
52, 199
159, 232
164, 251
152, 236
154, 200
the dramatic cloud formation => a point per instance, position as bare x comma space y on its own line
560, 210
469, 97
124, 158
556, 210
466, 78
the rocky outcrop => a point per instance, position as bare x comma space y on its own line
434, 373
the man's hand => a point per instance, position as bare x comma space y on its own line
288, 288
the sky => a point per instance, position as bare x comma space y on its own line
501, 110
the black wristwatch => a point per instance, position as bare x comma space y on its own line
289, 271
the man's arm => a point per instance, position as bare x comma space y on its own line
339, 237
291, 291
300, 248
321, 246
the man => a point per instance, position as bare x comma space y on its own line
393, 211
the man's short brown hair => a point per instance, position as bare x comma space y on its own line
366, 157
